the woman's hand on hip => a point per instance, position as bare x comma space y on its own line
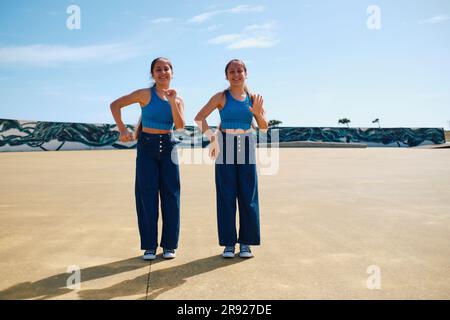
125, 135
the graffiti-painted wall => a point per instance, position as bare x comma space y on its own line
18, 135
373, 137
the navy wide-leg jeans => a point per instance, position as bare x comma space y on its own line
236, 179
157, 177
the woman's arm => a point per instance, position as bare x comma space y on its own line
177, 107
178, 114
200, 119
259, 113
139, 96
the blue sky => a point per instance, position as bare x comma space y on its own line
313, 61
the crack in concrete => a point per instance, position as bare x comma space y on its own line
148, 279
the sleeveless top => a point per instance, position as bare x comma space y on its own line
157, 113
235, 114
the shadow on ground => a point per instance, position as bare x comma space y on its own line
157, 282
160, 281
56, 285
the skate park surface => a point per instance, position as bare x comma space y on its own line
336, 223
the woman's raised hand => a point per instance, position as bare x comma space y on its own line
171, 94
257, 108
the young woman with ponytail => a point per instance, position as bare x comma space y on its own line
157, 171
233, 148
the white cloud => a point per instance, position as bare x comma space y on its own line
436, 19
200, 18
260, 27
49, 55
245, 8
225, 38
255, 42
253, 36
162, 20
203, 16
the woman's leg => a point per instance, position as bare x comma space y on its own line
169, 183
226, 191
146, 191
249, 228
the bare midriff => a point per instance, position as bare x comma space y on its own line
236, 131
155, 131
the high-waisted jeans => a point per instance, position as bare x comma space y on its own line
236, 179
157, 177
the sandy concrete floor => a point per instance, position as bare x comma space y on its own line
328, 217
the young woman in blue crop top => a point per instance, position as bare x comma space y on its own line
233, 148
157, 171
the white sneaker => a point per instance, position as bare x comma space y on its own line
149, 255
244, 251
169, 253
228, 252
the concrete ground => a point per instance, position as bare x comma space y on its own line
334, 223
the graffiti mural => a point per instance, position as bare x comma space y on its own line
17, 135
373, 137
29, 136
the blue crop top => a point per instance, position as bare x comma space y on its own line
236, 114
157, 114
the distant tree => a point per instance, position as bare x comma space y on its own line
344, 121
447, 133
377, 121
274, 123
